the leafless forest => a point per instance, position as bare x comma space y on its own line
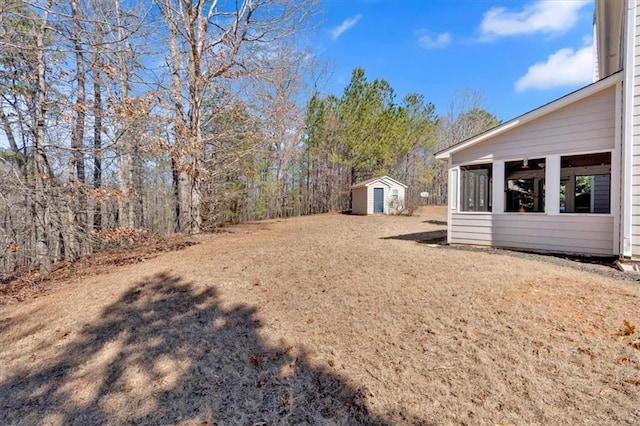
122, 120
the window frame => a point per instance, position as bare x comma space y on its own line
480, 197
526, 169
568, 178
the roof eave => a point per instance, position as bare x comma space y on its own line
532, 115
369, 182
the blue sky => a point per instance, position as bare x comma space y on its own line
518, 54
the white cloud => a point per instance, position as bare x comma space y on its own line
542, 16
346, 24
562, 68
441, 40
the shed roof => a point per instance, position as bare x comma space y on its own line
371, 181
533, 114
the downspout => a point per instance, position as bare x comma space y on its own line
626, 185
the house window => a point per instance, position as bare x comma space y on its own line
524, 185
475, 188
585, 183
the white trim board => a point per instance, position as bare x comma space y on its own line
534, 114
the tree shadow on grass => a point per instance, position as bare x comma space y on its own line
435, 222
430, 237
168, 353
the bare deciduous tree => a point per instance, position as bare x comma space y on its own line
465, 117
207, 43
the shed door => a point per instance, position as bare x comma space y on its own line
378, 200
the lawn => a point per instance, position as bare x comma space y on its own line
328, 319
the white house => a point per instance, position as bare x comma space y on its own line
378, 195
564, 177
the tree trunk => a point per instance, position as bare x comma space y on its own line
8, 131
77, 135
125, 166
97, 137
184, 199
75, 224
43, 257
137, 182
175, 184
181, 181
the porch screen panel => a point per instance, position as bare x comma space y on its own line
525, 185
585, 183
475, 187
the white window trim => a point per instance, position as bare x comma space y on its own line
614, 183
460, 189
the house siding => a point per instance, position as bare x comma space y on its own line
601, 117
392, 206
359, 201
601, 193
563, 233
584, 126
587, 125
635, 189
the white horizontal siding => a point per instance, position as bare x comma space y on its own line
359, 201
601, 193
586, 234
586, 125
635, 233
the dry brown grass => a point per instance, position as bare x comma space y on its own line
329, 319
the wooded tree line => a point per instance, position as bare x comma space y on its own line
122, 119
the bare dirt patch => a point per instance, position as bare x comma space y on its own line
322, 320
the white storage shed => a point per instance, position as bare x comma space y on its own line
381, 195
